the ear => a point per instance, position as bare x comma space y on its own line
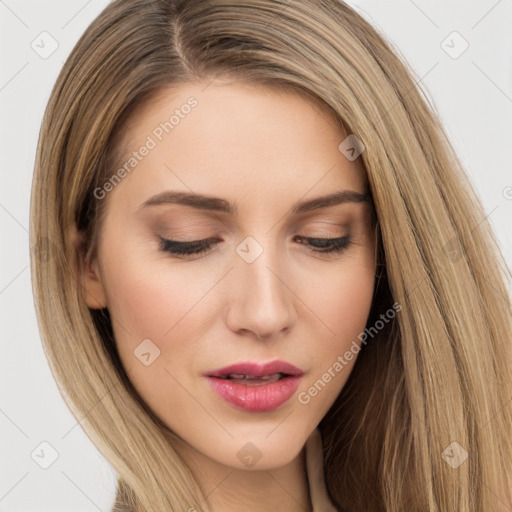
89, 278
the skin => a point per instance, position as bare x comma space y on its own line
265, 150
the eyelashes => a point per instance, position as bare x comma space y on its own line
185, 248
314, 245
328, 245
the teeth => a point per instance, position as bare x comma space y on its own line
252, 377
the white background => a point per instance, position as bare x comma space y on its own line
472, 94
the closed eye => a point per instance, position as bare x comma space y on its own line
316, 245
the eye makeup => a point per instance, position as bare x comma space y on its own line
316, 245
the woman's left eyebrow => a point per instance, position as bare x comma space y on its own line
217, 204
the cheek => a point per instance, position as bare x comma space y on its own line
166, 308
146, 303
342, 299
149, 291
347, 306
343, 303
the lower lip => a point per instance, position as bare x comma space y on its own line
256, 398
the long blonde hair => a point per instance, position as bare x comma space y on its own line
440, 374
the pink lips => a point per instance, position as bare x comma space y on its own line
256, 395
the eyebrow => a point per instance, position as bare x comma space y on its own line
217, 204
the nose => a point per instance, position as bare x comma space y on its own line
261, 301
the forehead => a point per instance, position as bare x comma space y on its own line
236, 140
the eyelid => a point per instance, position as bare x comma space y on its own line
314, 233
201, 247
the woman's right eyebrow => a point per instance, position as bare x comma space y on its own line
217, 204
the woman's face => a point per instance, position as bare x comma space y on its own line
244, 159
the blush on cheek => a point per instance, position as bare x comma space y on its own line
345, 307
147, 301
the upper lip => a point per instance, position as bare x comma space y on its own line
256, 369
